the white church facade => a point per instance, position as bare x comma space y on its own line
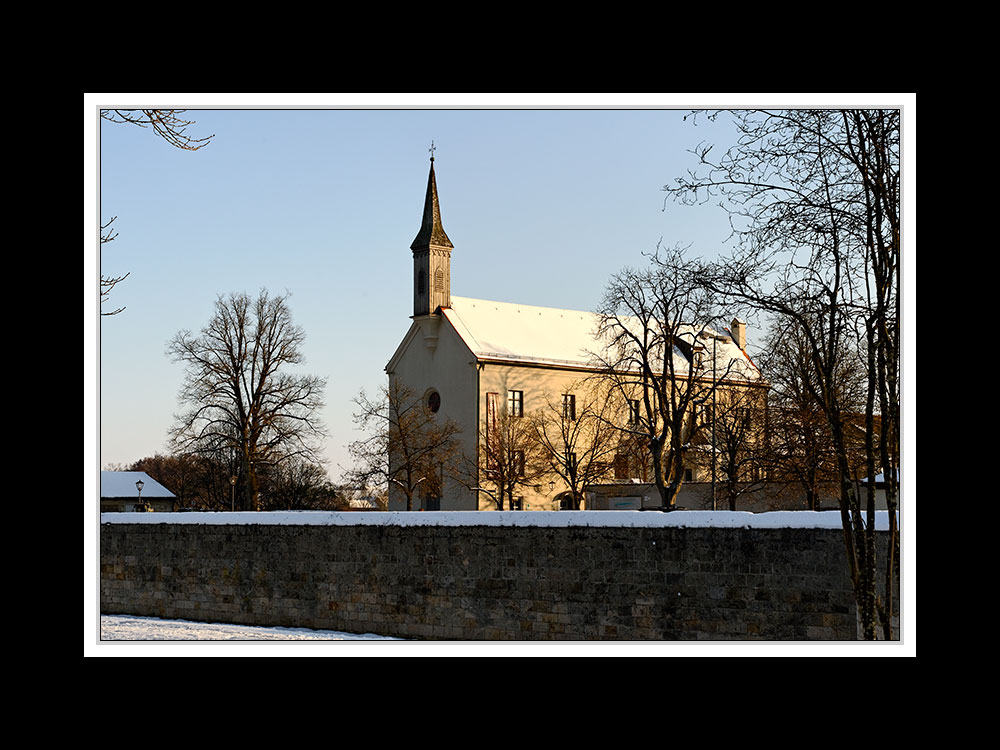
471, 359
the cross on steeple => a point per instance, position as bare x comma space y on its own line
432, 149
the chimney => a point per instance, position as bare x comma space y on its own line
739, 331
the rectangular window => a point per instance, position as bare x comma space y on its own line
569, 406
633, 411
621, 466
492, 406
492, 403
515, 403
519, 463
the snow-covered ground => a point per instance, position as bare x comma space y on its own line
128, 635
131, 628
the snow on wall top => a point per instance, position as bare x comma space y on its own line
563, 519
504, 330
122, 484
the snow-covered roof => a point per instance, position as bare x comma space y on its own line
548, 335
504, 330
122, 484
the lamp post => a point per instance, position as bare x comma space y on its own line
232, 495
142, 507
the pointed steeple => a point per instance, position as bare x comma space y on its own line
431, 231
431, 255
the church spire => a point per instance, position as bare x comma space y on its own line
431, 231
431, 256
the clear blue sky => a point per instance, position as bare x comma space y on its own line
541, 205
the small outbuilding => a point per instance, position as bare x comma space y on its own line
120, 492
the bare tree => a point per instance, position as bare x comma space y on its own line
655, 322
737, 424
800, 441
801, 451
168, 125
632, 458
165, 123
407, 447
578, 436
297, 484
199, 482
510, 458
179, 474
239, 395
813, 197
354, 497
108, 234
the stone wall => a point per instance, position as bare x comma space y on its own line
754, 498
482, 582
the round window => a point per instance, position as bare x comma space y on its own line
434, 401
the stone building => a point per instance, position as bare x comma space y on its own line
479, 361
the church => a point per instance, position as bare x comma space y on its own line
471, 360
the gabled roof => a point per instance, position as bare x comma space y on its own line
547, 335
122, 484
